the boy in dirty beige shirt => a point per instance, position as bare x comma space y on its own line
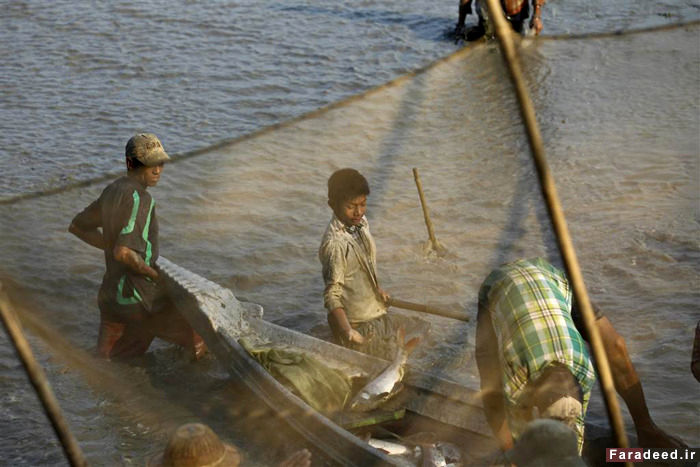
357, 306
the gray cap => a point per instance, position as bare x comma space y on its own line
546, 442
147, 149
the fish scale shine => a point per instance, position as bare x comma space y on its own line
388, 383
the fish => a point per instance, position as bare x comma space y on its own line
388, 383
393, 449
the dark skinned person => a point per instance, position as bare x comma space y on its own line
357, 306
532, 361
517, 13
134, 308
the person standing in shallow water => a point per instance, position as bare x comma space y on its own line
517, 12
134, 308
356, 304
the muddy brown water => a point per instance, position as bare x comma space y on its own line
620, 119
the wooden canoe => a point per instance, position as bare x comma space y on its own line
432, 403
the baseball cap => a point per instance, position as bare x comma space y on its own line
147, 149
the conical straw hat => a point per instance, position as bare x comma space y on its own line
196, 445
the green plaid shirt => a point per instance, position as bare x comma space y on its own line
530, 306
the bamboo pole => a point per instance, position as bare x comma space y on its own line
556, 214
426, 215
454, 314
41, 385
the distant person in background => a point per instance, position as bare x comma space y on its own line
122, 222
517, 13
196, 445
695, 360
356, 304
531, 360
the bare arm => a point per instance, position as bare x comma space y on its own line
334, 265
134, 261
86, 226
490, 375
536, 21
340, 319
384, 295
629, 387
91, 237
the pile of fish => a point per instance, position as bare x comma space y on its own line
381, 389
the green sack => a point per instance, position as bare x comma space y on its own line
323, 388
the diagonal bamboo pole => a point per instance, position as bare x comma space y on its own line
556, 214
38, 379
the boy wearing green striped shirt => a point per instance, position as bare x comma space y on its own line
122, 222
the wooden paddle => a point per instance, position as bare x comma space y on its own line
454, 314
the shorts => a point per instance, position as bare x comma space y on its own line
566, 410
132, 335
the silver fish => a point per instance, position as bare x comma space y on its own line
393, 449
388, 383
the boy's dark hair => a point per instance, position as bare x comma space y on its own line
132, 163
346, 184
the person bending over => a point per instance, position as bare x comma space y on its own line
517, 13
531, 359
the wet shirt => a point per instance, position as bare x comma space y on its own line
126, 213
348, 259
529, 302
